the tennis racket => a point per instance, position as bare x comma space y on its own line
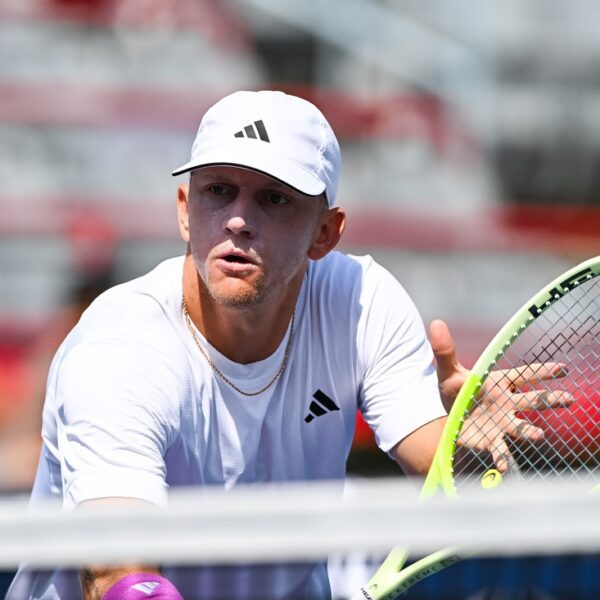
530, 408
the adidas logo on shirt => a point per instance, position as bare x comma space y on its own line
254, 130
322, 404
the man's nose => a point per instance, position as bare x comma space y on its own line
241, 218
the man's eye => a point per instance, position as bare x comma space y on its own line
277, 198
217, 189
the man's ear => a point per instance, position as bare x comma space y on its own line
183, 212
330, 230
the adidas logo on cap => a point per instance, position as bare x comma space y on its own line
257, 129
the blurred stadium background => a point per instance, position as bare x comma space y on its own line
470, 134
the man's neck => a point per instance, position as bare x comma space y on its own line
242, 335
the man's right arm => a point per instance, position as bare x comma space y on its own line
97, 580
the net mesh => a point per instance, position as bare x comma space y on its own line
531, 531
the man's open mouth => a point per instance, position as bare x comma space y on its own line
232, 258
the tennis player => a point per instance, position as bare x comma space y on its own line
243, 361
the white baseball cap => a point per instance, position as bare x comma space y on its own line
282, 136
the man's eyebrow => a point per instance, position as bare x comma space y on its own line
218, 176
213, 175
277, 185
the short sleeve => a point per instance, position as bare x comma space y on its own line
399, 391
116, 417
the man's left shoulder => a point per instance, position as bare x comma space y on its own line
348, 271
341, 265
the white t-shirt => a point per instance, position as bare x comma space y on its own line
132, 407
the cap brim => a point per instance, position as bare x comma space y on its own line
257, 156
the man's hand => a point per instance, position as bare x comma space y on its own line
495, 416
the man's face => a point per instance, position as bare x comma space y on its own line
249, 234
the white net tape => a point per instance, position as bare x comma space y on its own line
303, 521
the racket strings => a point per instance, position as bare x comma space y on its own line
566, 332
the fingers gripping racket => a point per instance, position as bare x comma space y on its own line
530, 408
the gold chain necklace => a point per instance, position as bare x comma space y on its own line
220, 373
